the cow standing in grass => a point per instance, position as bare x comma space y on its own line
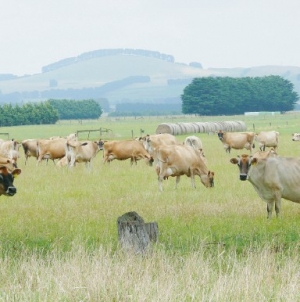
273, 178
237, 140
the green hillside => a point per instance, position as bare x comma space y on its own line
166, 79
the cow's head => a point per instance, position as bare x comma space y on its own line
100, 144
220, 135
6, 181
244, 163
208, 179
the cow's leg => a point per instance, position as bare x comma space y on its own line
270, 206
177, 181
278, 206
160, 180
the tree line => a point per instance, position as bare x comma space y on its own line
48, 112
230, 96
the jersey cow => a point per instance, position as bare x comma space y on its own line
177, 160
30, 147
151, 142
123, 150
51, 149
267, 139
237, 140
79, 152
7, 177
273, 178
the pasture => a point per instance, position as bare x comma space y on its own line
58, 234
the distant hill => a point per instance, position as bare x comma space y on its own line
122, 76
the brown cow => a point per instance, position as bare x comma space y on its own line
51, 149
273, 178
237, 140
123, 150
177, 160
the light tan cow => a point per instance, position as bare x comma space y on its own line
273, 178
196, 143
126, 149
237, 140
79, 152
264, 154
30, 147
267, 139
10, 149
177, 160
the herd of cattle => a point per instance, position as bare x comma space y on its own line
273, 177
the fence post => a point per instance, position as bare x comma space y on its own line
134, 235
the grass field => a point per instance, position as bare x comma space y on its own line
58, 234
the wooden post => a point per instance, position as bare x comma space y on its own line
134, 235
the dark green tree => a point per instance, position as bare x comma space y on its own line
225, 95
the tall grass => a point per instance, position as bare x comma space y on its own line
58, 234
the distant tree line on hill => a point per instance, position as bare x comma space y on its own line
71, 93
107, 52
48, 112
28, 114
72, 109
228, 96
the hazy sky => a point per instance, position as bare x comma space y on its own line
216, 33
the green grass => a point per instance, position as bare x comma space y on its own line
61, 216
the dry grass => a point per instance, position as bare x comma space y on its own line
104, 275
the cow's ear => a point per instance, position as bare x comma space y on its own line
254, 161
234, 161
16, 172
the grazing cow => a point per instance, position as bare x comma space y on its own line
237, 140
7, 177
30, 147
267, 139
273, 178
51, 149
177, 160
123, 150
296, 137
78, 152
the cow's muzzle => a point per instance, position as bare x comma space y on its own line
11, 191
243, 177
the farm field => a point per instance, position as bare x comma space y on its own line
58, 234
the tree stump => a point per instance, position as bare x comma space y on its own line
134, 235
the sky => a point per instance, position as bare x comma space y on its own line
215, 33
